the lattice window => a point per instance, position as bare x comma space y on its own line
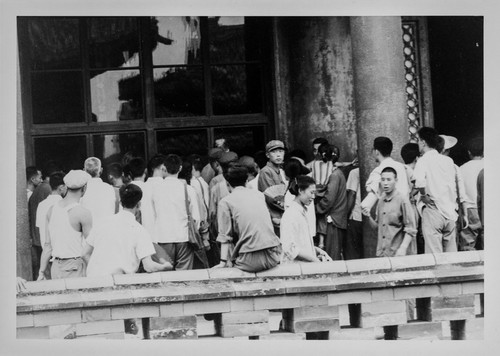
412, 78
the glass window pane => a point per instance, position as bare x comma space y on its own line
182, 142
243, 140
176, 40
179, 92
113, 42
68, 152
57, 97
116, 95
54, 43
236, 89
227, 39
119, 147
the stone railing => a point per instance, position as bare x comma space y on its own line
307, 294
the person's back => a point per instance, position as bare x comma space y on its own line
115, 242
66, 241
100, 197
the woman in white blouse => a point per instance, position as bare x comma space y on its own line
295, 234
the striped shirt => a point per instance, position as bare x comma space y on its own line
320, 171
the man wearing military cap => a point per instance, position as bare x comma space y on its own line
68, 223
273, 175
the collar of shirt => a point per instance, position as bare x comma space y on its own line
126, 215
273, 167
431, 152
388, 197
299, 206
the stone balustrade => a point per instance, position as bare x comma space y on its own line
307, 294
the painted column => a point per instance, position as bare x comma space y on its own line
379, 93
23, 243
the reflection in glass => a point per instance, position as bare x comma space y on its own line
116, 95
179, 92
176, 40
236, 89
54, 43
113, 42
243, 140
57, 97
68, 152
119, 147
227, 39
182, 142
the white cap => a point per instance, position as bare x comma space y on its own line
76, 179
449, 141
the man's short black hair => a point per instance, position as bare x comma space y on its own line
197, 162
115, 170
476, 147
31, 172
186, 171
319, 140
389, 170
130, 195
136, 167
383, 145
56, 179
155, 162
430, 136
236, 175
410, 152
173, 163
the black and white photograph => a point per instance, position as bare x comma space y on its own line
249, 178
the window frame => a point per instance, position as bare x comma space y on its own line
149, 123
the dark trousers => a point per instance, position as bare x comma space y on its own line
353, 244
334, 240
180, 253
36, 253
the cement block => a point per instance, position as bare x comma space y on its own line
383, 307
382, 294
351, 333
241, 304
33, 333
312, 312
280, 335
25, 320
284, 270
334, 267
170, 310
49, 285
229, 273
135, 311
100, 327
416, 292
312, 325
246, 317
349, 297
463, 301
96, 314
412, 262
420, 329
137, 278
185, 275
463, 257
369, 265
181, 322
238, 330
62, 317
277, 302
383, 320
312, 299
473, 287
89, 282
207, 306
62, 331
453, 314
450, 289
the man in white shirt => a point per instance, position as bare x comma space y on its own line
59, 189
470, 171
171, 222
435, 178
119, 244
353, 244
33, 179
100, 197
382, 149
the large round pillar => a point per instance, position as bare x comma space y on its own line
379, 93
23, 240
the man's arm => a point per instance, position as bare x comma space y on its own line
87, 252
86, 222
351, 201
410, 227
152, 266
225, 231
47, 249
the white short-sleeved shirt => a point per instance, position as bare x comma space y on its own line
373, 181
169, 205
295, 234
437, 174
354, 185
41, 214
147, 214
100, 199
470, 171
120, 243
310, 213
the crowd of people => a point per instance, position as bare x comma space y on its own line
253, 213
